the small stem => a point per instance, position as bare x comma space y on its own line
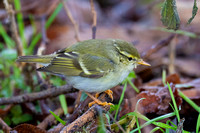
94, 24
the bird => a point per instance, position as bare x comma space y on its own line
92, 66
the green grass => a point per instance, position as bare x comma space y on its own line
198, 124
153, 121
194, 105
20, 23
164, 77
174, 103
48, 23
63, 103
120, 101
129, 80
156, 129
8, 41
101, 124
57, 118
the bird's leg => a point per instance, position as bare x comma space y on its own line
108, 92
97, 101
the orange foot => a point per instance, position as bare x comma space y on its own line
109, 93
97, 101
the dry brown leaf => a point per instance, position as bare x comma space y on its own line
27, 128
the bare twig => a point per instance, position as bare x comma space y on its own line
94, 24
72, 20
56, 129
88, 116
53, 92
157, 46
4, 126
116, 123
172, 50
77, 102
82, 120
13, 27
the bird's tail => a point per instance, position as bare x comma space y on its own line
44, 59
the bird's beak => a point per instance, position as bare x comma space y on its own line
141, 62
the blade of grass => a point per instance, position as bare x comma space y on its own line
152, 121
171, 122
164, 77
63, 103
57, 118
138, 125
194, 105
133, 86
121, 99
9, 42
157, 128
20, 22
198, 124
48, 23
174, 102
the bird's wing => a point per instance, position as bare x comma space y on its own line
72, 64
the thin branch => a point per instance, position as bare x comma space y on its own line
13, 27
158, 46
4, 126
172, 54
52, 92
72, 20
116, 123
94, 24
56, 129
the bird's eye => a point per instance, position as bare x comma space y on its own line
130, 58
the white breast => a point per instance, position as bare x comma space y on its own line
101, 84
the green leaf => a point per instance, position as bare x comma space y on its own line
194, 12
16, 110
22, 118
169, 15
